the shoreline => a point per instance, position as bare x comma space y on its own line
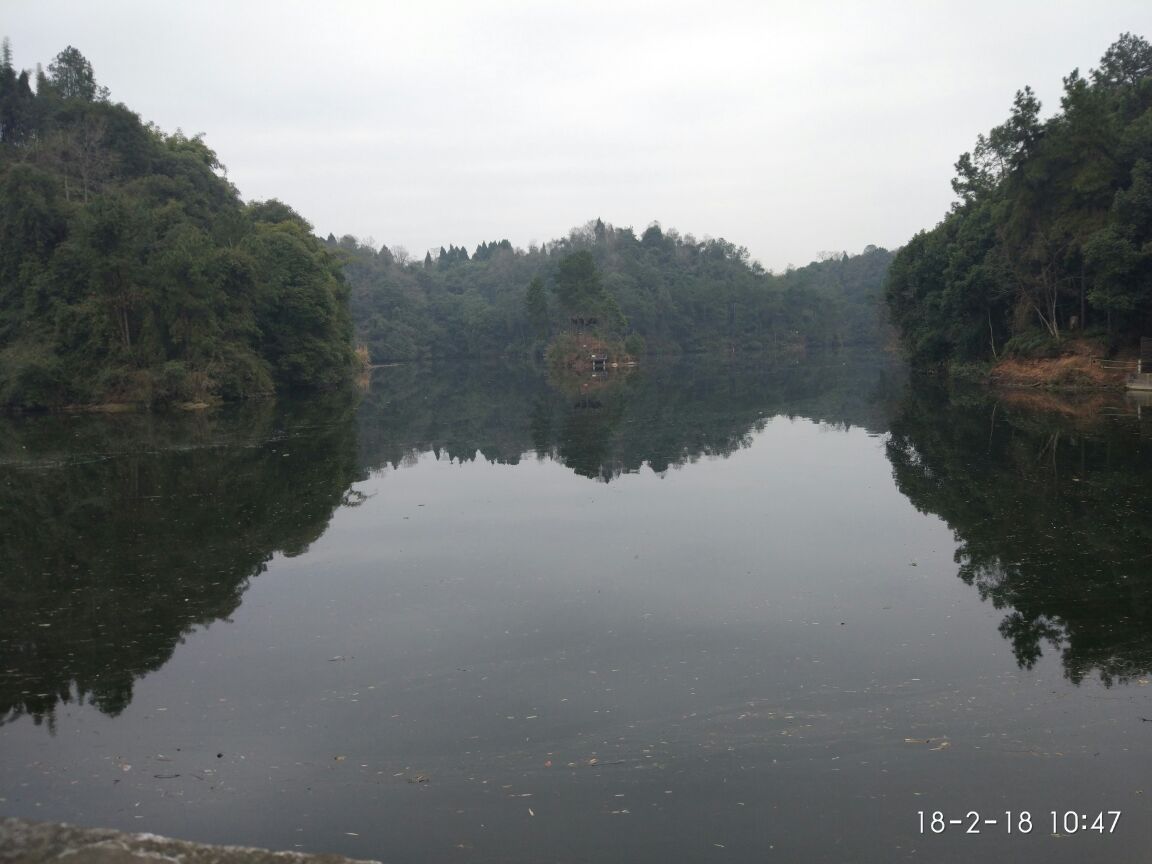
1070, 373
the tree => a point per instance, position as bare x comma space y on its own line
578, 285
80, 148
273, 212
536, 307
1119, 256
302, 300
1047, 232
70, 76
1126, 63
130, 270
980, 172
110, 247
17, 107
653, 237
17, 102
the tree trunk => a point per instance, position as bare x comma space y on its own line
125, 326
1083, 312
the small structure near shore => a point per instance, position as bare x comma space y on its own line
1142, 380
585, 353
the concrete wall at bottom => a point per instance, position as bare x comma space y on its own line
41, 842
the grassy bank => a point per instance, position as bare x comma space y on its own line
1075, 364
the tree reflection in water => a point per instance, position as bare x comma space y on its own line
1049, 501
120, 535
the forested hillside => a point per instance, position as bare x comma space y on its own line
131, 271
659, 292
1051, 233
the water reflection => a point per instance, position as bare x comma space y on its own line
1049, 499
118, 535
731, 652
664, 415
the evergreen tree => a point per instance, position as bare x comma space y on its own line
131, 271
536, 307
70, 77
578, 286
1048, 233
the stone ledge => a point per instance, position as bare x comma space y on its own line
23, 842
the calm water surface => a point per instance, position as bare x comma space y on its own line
696, 613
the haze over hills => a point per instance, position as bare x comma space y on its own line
661, 291
132, 272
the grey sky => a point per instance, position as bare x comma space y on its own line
790, 128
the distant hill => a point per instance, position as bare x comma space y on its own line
660, 292
131, 271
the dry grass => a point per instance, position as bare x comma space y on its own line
363, 357
1075, 369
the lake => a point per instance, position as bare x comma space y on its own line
695, 612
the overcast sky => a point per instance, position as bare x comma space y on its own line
788, 127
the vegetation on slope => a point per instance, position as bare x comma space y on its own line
131, 271
660, 292
1051, 234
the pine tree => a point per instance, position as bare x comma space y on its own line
536, 307
71, 77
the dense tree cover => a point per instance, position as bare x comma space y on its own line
668, 292
120, 535
1052, 228
1050, 517
130, 270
